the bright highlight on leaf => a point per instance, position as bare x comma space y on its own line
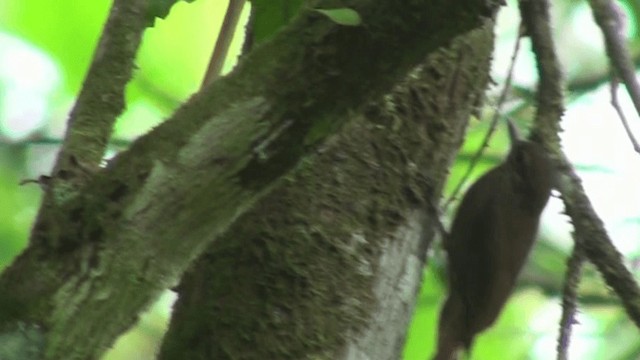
342, 16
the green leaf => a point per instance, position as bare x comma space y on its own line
342, 16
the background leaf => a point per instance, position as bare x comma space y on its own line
342, 16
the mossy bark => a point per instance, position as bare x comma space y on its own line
328, 266
109, 240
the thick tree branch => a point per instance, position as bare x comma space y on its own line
354, 219
588, 228
101, 99
90, 124
138, 223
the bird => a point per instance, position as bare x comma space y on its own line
492, 233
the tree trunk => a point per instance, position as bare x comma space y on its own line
328, 266
107, 241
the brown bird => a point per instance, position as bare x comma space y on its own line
492, 233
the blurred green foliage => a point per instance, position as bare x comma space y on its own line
270, 15
51, 27
18, 205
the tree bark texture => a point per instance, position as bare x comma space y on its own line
329, 264
105, 247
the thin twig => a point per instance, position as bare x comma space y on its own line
569, 300
47, 140
625, 124
223, 42
588, 227
610, 18
492, 127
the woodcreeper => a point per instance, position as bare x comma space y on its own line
490, 238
